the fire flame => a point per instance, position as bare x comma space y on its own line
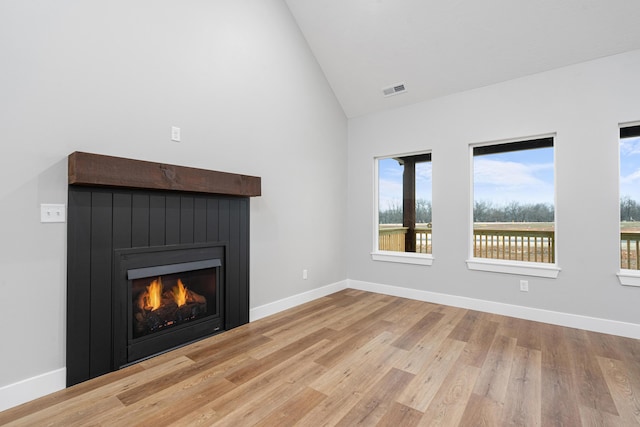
153, 296
179, 293
152, 299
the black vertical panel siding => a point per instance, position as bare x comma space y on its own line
78, 289
140, 219
234, 263
223, 220
157, 214
121, 220
172, 220
101, 220
213, 228
223, 236
186, 219
123, 231
243, 289
101, 254
200, 220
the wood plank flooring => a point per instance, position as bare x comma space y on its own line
359, 358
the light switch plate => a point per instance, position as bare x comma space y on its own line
53, 212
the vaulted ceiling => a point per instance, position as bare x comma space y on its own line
440, 47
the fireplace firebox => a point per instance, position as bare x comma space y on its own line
165, 297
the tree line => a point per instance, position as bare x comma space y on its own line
393, 214
483, 211
629, 209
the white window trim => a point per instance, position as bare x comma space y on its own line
391, 256
520, 268
523, 268
629, 277
402, 257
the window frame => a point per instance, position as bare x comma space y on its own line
394, 256
627, 277
523, 268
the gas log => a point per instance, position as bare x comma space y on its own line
168, 313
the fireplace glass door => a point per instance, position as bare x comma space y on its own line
171, 295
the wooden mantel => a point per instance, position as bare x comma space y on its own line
108, 171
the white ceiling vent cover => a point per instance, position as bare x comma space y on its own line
394, 90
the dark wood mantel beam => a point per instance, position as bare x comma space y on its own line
108, 171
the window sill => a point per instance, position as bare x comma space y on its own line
514, 267
402, 257
629, 277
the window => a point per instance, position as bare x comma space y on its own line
630, 199
403, 209
513, 207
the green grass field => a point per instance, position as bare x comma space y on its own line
626, 226
629, 226
536, 226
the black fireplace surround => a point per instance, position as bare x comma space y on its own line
118, 237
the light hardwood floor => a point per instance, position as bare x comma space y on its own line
359, 358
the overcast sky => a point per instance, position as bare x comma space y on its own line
390, 183
630, 168
524, 176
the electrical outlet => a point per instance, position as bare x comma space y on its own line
524, 285
305, 274
175, 133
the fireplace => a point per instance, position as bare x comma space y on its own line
157, 257
165, 297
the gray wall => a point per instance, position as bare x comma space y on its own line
583, 104
112, 77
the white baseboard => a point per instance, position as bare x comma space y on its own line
613, 327
32, 388
295, 300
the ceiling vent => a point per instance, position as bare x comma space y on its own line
394, 90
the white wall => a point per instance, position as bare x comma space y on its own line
583, 104
112, 77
